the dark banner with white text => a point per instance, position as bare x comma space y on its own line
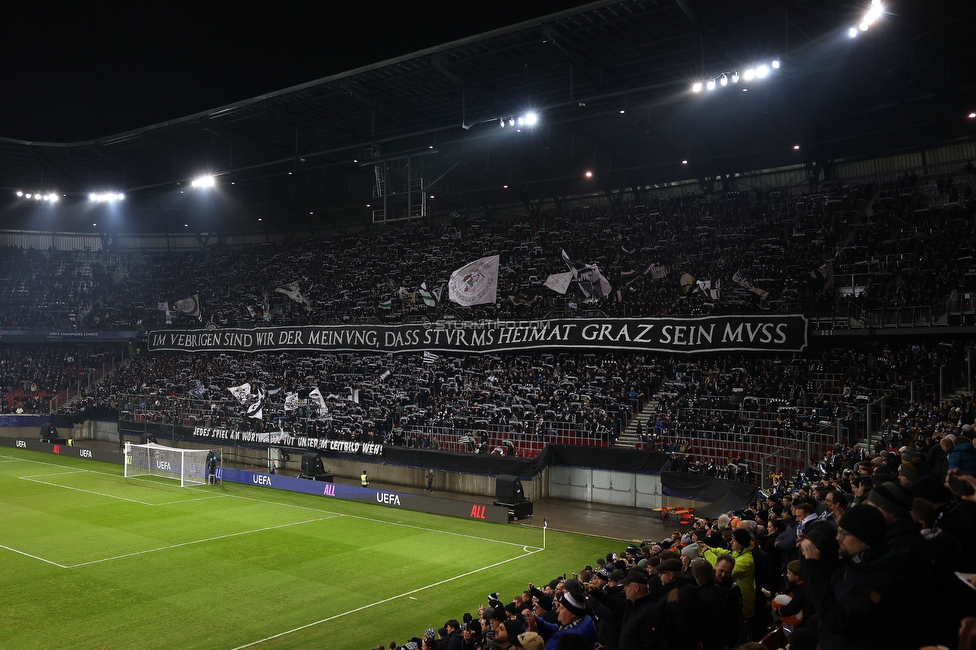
764, 333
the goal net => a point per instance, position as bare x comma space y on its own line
188, 466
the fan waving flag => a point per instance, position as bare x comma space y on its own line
475, 283
189, 306
559, 282
292, 291
426, 296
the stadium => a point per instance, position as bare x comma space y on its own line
626, 324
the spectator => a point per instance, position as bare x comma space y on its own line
572, 618
678, 604
866, 587
637, 611
744, 571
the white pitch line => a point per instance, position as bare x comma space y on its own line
33, 557
391, 523
385, 600
196, 541
101, 494
74, 471
176, 503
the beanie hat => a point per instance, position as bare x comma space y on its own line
912, 463
742, 536
430, 633
893, 498
574, 602
544, 601
691, 550
514, 627
865, 523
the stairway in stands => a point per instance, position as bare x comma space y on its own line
628, 438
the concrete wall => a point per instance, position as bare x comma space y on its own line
605, 486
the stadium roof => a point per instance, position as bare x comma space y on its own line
610, 82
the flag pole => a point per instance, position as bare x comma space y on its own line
545, 527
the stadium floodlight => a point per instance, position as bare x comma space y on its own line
775, 64
873, 14
531, 119
749, 74
105, 197
501, 122
852, 32
710, 85
972, 116
761, 72
589, 174
735, 76
724, 79
696, 87
863, 27
203, 181
521, 120
19, 193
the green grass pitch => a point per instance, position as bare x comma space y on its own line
89, 559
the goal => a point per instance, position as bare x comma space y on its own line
188, 466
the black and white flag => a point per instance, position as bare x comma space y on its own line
315, 396
189, 306
744, 282
292, 291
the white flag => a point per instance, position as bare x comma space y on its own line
559, 282
315, 396
475, 283
430, 357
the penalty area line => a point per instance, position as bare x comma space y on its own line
384, 521
196, 541
385, 600
33, 557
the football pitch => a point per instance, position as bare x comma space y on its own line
89, 559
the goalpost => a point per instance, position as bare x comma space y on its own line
188, 466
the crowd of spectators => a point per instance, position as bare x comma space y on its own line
862, 555
885, 247
31, 375
707, 409
396, 399
733, 403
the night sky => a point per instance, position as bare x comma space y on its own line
83, 70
